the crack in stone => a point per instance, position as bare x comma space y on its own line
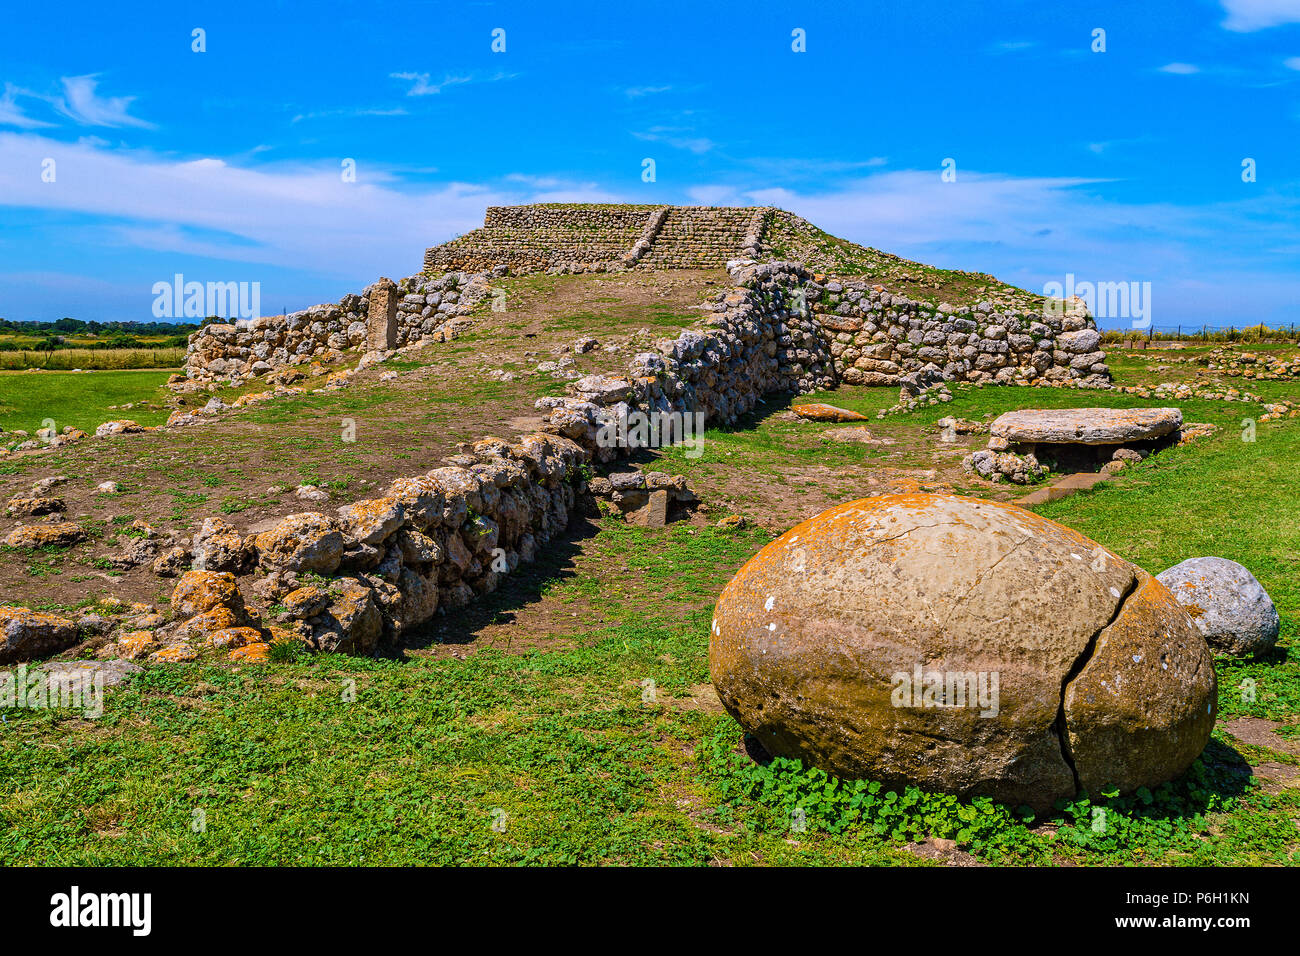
1062, 731
979, 579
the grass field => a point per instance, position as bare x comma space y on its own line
602, 747
80, 399
66, 360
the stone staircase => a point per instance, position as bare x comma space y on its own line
699, 237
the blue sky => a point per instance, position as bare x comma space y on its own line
226, 165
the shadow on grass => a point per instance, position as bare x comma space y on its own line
519, 589
749, 422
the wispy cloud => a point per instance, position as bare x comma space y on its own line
1180, 69
676, 137
422, 85
1012, 46
638, 91
1292, 63
272, 216
11, 114
1105, 146
790, 168
1247, 16
350, 113
83, 105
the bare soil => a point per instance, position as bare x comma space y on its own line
245, 464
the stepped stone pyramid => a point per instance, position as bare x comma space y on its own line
595, 237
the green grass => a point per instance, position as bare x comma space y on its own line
80, 399
283, 764
169, 357
288, 767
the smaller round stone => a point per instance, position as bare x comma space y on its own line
1227, 604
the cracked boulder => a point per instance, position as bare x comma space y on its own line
965, 647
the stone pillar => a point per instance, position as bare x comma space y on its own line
381, 321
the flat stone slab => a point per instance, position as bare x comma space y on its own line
819, 412
1067, 486
1086, 426
855, 433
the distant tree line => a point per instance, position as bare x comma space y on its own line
51, 336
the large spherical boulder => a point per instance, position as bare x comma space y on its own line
964, 646
1226, 603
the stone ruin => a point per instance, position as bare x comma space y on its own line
437, 540
873, 336
1027, 444
385, 316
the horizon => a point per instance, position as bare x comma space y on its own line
231, 164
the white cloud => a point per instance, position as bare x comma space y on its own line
1247, 16
1032, 230
1292, 63
1180, 69
81, 104
637, 91
349, 113
286, 216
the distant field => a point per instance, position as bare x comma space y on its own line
68, 359
80, 399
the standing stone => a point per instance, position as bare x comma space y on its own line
655, 513
381, 324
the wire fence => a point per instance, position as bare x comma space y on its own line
1253, 334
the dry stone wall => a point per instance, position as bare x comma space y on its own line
416, 308
879, 338
780, 330
438, 540
540, 237
758, 340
